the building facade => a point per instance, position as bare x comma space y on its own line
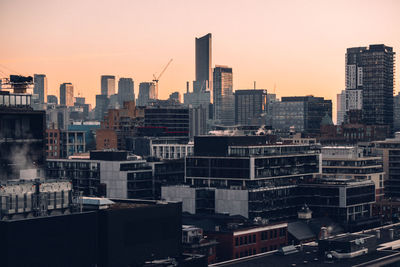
107, 83
224, 101
203, 64
40, 87
147, 92
244, 175
67, 94
126, 90
250, 107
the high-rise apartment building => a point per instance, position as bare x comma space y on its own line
378, 82
67, 94
250, 107
107, 85
147, 92
40, 87
369, 84
203, 64
223, 96
126, 91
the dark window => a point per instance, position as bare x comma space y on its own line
236, 242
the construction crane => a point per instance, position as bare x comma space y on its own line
156, 79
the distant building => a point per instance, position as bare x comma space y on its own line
126, 90
396, 113
102, 102
175, 96
303, 113
52, 99
147, 92
67, 94
64, 143
168, 122
203, 64
224, 101
348, 100
107, 85
250, 107
197, 121
40, 87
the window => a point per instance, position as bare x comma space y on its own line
254, 251
245, 239
236, 242
241, 240
254, 239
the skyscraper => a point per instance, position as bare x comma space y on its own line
224, 104
369, 84
250, 107
147, 91
377, 80
40, 87
203, 64
107, 85
126, 91
67, 94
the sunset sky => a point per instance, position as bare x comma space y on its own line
297, 45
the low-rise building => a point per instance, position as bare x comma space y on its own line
106, 173
349, 162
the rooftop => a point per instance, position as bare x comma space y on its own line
308, 254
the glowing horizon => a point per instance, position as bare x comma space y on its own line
299, 46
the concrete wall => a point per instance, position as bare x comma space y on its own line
186, 195
234, 202
115, 179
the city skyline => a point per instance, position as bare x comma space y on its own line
279, 44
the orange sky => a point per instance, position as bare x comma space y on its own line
297, 45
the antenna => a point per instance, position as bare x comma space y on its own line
254, 85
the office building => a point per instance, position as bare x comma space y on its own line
346, 201
102, 102
112, 173
40, 87
203, 64
169, 122
126, 91
107, 85
250, 107
349, 162
67, 94
224, 102
147, 92
244, 175
304, 114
